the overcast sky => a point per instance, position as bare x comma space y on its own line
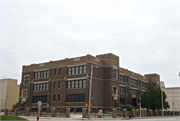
144, 34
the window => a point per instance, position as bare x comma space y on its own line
121, 89
80, 70
54, 97
35, 75
76, 70
24, 93
59, 85
122, 101
133, 81
134, 102
84, 83
58, 97
133, 92
59, 71
41, 74
80, 83
75, 98
114, 90
114, 73
143, 84
26, 80
84, 69
55, 72
76, 84
54, 85
121, 78
69, 71
43, 99
40, 87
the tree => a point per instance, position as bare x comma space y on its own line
152, 98
15, 105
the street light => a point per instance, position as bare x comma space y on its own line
140, 105
172, 103
90, 89
162, 101
179, 76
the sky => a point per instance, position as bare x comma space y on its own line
144, 34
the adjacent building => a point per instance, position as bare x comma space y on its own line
65, 84
173, 96
9, 93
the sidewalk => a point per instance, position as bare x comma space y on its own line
1, 113
72, 117
59, 118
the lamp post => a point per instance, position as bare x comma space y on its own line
140, 105
172, 103
179, 76
90, 89
162, 101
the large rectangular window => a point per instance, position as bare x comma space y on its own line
76, 70
75, 98
76, 84
133, 81
134, 92
40, 87
143, 84
41, 74
121, 89
43, 99
121, 78
122, 101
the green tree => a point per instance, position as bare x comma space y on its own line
152, 98
15, 105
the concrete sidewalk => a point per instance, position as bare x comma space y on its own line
59, 118
72, 117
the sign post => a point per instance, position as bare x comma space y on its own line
39, 103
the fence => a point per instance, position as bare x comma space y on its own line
21, 113
60, 113
10, 112
46, 113
33, 113
107, 114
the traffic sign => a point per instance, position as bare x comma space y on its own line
92, 98
39, 103
90, 104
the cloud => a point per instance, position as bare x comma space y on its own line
143, 34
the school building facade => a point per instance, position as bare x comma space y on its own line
65, 84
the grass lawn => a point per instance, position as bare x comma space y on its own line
7, 117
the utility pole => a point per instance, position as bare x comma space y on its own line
162, 101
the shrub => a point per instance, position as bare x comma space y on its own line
128, 107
